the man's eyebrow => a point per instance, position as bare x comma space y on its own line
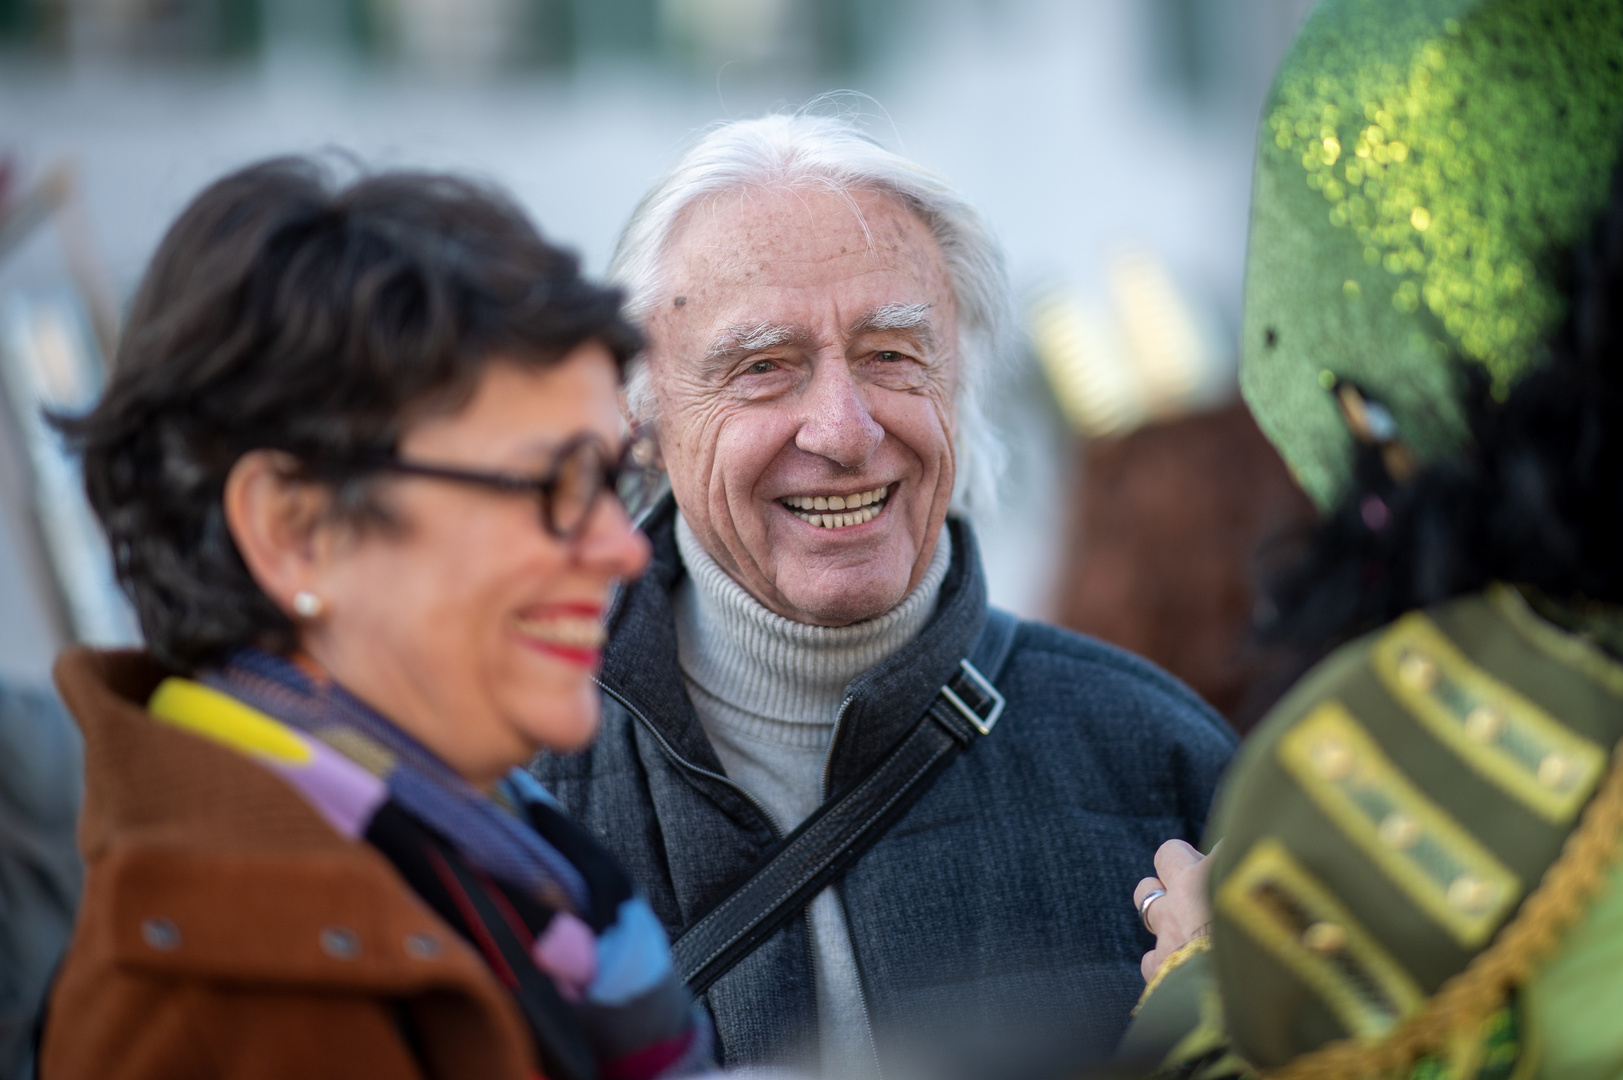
912, 318
740, 340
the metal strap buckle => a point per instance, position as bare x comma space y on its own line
981, 724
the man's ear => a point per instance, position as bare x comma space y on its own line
276, 518
638, 410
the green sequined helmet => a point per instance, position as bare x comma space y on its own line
1421, 166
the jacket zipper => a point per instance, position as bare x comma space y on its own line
670, 752
862, 999
833, 740
811, 958
862, 995
811, 937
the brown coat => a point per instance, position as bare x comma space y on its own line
228, 931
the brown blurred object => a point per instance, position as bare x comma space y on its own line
1165, 527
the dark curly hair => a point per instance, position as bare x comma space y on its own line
284, 310
1536, 499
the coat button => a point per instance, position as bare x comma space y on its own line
1471, 894
1484, 724
1332, 758
340, 943
1557, 771
1400, 831
1326, 938
160, 933
1418, 671
422, 946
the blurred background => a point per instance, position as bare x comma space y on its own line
1108, 142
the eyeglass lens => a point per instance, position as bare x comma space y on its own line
579, 480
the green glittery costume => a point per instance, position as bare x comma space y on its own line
1422, 863
1419, 161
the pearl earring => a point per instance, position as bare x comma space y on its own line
307, 604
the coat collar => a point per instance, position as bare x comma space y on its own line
149, 783
189, 841
640, 664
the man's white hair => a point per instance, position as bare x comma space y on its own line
832, 153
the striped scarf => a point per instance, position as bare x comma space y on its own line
585, 926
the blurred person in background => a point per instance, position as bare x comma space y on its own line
40, 872
825, 319
1421, 867
356, 464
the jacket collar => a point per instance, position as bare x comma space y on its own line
191, 841
640, 664
148, 783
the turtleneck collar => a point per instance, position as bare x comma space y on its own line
775, 669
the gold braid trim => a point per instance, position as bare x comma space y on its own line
1176, 959
1467, 999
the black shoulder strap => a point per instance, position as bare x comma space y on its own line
829, 842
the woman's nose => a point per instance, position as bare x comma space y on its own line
837, 424
610, 544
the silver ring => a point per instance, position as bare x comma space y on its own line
1144, 906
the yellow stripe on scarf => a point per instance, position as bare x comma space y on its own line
205, 711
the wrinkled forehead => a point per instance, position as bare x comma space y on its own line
811, 239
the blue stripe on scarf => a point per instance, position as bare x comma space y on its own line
633, 955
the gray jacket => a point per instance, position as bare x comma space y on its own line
993, 925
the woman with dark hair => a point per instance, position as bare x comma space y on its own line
1421, 865
357, 465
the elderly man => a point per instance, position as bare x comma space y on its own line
823, 317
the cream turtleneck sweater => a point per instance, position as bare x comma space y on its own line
768, 691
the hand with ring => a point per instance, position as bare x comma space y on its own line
1172, 904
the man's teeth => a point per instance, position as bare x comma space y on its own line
570, 631
838, 511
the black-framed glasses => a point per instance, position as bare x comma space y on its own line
580, 471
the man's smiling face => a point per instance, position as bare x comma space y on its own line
804, 370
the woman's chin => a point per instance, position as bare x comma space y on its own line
569, 738
567, 720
